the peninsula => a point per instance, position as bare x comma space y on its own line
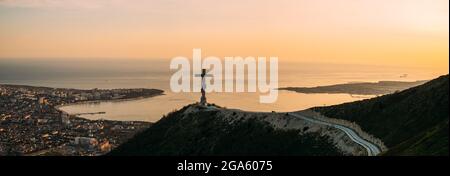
360, 88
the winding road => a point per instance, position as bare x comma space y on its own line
372, 149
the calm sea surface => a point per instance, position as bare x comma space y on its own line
86, 74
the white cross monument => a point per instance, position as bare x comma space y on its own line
203, 75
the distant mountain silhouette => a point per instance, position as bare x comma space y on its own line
410, 122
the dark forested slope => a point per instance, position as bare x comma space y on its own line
410, 122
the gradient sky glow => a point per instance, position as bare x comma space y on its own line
384, 32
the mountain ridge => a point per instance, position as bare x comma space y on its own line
411, 122
197, 130
413, 116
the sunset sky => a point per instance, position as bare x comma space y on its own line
384, 32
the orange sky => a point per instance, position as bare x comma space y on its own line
383, 32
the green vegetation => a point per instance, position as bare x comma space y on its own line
411, 122
431, 142
207, 133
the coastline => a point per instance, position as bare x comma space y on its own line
359, 88
112, 100
58, 107
56, 132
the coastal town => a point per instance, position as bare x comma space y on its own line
32, 124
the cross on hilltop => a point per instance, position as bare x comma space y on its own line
203, 75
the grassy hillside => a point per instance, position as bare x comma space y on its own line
411, 122
206, 133
431, 142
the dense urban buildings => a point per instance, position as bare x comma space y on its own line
31, 124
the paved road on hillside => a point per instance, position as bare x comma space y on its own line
372, 149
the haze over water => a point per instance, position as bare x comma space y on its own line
318, 42
123, 73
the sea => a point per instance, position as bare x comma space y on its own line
155, 73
